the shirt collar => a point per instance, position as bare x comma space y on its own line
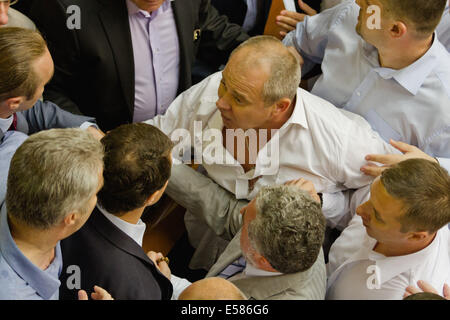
251, 271
134, 9
298, 115
390, 267
45, 282
413, 76
5, 124
134, 231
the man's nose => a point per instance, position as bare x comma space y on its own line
3, 13
223, 104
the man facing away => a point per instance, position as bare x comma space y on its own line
52, 186
137, 168
398, 237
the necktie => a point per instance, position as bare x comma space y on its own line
233, 269
272, 29
14, 123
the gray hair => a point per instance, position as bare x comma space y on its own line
289, 228
53, 173
285, 72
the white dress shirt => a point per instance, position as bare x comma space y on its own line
356, 272
411, 104
319, 142
134, 231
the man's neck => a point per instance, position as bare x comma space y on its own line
37, 245
132, 216
5, 114
402, 57
395, 250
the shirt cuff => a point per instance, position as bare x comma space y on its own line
179, 284
88, 124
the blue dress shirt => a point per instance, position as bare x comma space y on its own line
20, 279
411, 105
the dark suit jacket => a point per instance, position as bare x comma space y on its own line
236, 10
107, 257
95, 64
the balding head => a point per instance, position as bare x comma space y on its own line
269, 54
212, 289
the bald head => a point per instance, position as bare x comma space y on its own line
212, 289
269, 54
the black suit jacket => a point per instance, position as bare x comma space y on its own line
94, 66
236, 10
107, 257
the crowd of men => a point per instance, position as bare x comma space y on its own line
312, 183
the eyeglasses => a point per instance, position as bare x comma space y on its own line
10, 2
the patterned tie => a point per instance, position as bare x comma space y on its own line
233, 269
13, 126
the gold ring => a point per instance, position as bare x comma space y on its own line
163, 259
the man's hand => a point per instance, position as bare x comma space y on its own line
426, 287
97, 133
98, 294
388, 160
161, 264
305, 185
288, 20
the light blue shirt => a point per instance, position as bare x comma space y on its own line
443, 29
20, 279
156, 53
8, 146
410, 105
250, 16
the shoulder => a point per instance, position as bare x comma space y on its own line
17, 19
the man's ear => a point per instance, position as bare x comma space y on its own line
398, 29
70, 219
282, 105
418, 236
14, 103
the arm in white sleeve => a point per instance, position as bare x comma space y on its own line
179, 284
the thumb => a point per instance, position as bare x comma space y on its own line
82, 295
401, 146
307, 9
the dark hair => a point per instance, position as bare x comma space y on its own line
424, 188
19, 48
425, 15
424, 296
137, 164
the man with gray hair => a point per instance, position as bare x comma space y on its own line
275, 249
53, 181
251, 126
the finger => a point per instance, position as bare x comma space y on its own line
447, 291
388, 159
292, 16
283, 34
426, 287
373, 171
401, 146
307, 9
100, 294
290, 20
82, 295
152, 256
413, 290
285, 26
